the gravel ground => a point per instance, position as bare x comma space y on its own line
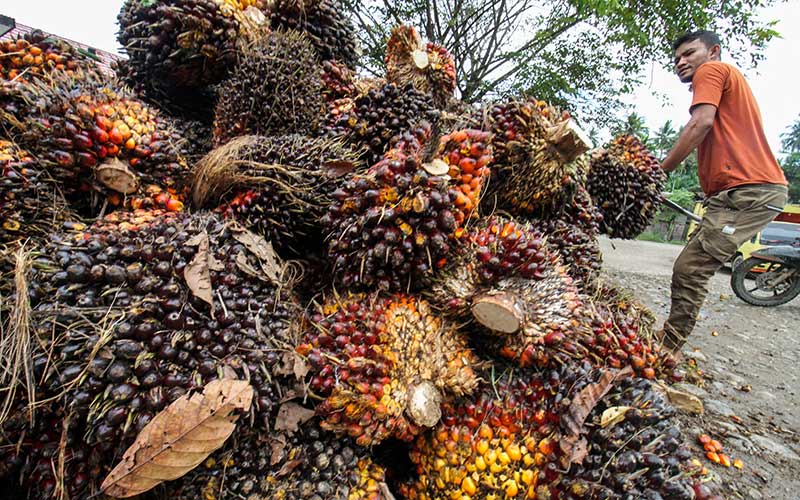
750, 355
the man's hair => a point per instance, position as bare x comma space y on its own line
709, 38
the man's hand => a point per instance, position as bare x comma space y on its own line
691, 136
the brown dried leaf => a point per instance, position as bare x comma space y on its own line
179, 438
575, 449
288, 467
277, 446
198, 273
300, 367
290, 416
614, 415
585, 401
338, 168
262, 249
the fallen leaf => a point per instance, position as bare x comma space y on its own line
262, 249
300, 367
288, 467
277, 445
585, 401
575, 448
614, 415
714, 333
198, 273
338, 168
746, 388
179, 438
683, 401
290, 416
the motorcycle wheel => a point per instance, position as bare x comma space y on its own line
754, 288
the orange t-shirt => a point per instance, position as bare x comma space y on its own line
735, 151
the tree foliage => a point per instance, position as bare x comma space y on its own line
790, 161
581, 54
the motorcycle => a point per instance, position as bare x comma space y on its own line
769, 277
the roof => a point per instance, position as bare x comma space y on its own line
104, 59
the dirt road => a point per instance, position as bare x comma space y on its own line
751, 357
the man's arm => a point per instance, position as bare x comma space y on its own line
692, 135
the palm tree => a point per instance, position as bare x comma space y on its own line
664, 139
633, 125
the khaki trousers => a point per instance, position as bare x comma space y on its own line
732, 217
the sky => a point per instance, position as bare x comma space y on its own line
774, 83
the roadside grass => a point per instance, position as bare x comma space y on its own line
647, 236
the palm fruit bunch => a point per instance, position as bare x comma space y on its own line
494, 249
30, 202
274, 89
338, 81
93, 136
429, 68
539, 155
625, 182
501, 443
34, 54
383, 364
197, 137
468, 156
178, 48
572, 231
376, 118
278, 187
326, 24
393, 226
140, 308
642, 455
309, 465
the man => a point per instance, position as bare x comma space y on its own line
743, 184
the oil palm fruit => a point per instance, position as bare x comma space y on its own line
34, 54
429, 68
127, 328
468, 154
177, 48
196, 137
625, 182
325, 22
572, 230
31, 204
539, 155
642, 455
393, 226
278, 187
501, 442
494, 249
275, 89
307, 465
377, 117
94, 137
383, 364
338, 81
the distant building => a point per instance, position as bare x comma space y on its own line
9, 28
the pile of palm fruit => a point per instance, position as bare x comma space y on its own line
414, 298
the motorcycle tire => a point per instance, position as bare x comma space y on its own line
740, 273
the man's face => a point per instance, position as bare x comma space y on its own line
689, 56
